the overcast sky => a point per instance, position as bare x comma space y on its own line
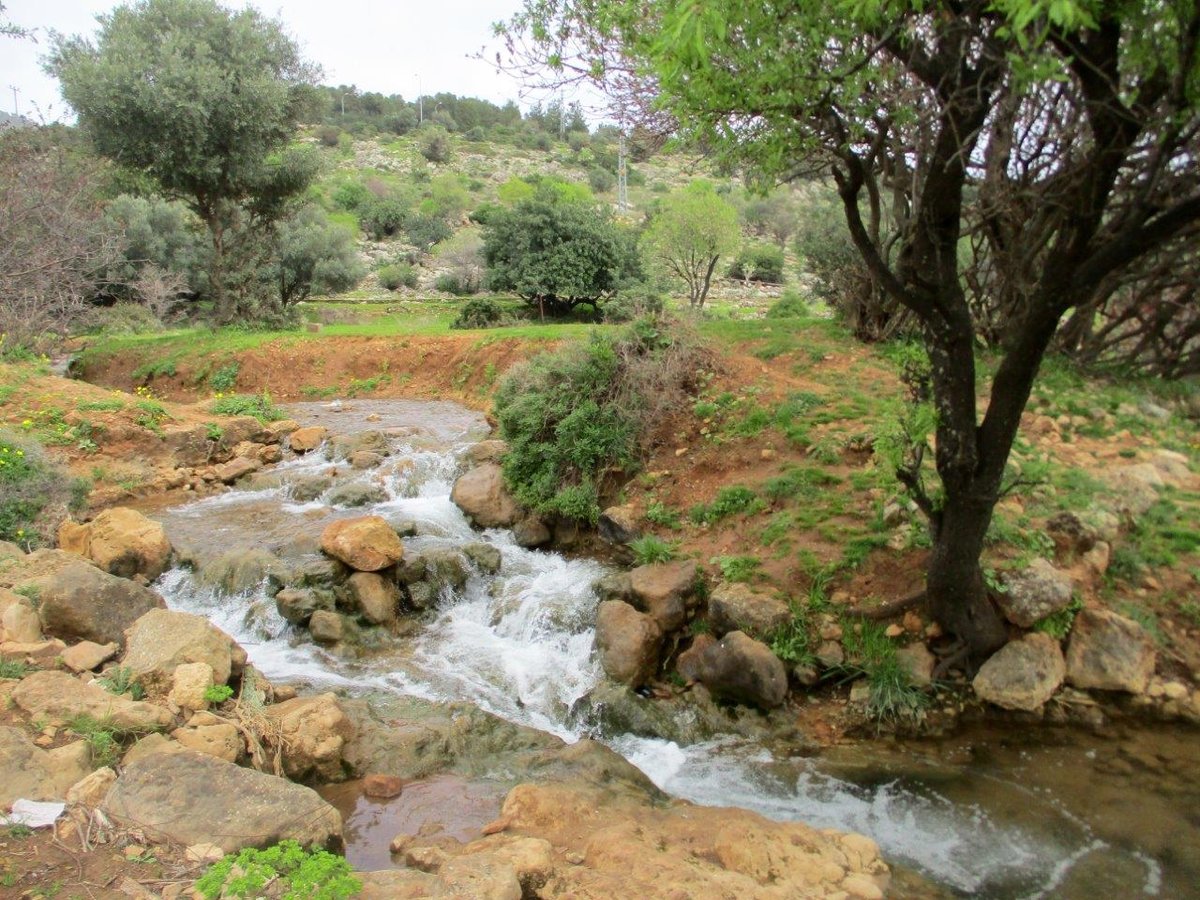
378, 46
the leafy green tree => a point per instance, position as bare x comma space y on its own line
693, 229
152, 232
315, 256
205, 101
556, 251
1061, 136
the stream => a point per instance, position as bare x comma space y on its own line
988, 813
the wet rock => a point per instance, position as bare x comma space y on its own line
628, 642
491, 451
163, 639
484, 499
830, 655
356, 493
617, 586
445, 568
122, 542
376, 598
58, 697
297, 605
365, 459
531, 532
237, 571
343, 446
735, 607
688, 662
306, 440
620, 524
1038, 591
83, 603
307, 572
1070, 534
485, 556
422, 596
29, 772
220, 740
326, 627
309, 488
1023, 674
275, 432
1109, 652
239, 467
739, 668
88, 656
19, 622
189, 798
382, 787
918, 662
311, 733
366, 544
666, 591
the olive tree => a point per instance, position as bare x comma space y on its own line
693, 228
1061, 134
203, 100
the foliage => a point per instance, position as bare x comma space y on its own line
738, 568
870, 652
257, 405
457, 284
633, 302
693, 228
435, 144
480, 313
792, 641
789, 306
394, 276
152, 232
759, 262
225, 378
121, 680
13, 668
35, 496
382, 217
1058, 625
730, 501
557, 252
661, 515
314, 256
217, 693
300, 874
651, 549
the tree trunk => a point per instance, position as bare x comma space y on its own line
222, 308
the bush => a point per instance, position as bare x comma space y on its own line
314, 256
482, 215
649, 549
122, 318
790, 306
601, 180
351, 196
329, 135
396, 276
257, 405
296, 874
759, 262
382, 217
435, 144
481, 313
35, 495
457, 283
424, 230
633, 303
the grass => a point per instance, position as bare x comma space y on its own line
730, 501
257, 405
893, 699
12, 668
738, 568
650, 549
663, 516
120, 680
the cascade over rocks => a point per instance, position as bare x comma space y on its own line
739, 668
78, 601
366, 544
162, 639
1023, 674
297, 605
667, 591
1109, 652
305, 440
734, 606
120, 541
482, 496
628, 642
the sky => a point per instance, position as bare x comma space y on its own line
377, 46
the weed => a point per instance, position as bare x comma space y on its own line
11, 668
257, 405
217, 693
1058, 624
113, 405
893, 697
359, 386
663, 516
729, 501
213, 431
19, 830
799, 482
299, 874
225, 378
737, 568
318, 393
698, 627
101, 737
120, 680
1147, 618
153, 415
650, 549
792, 642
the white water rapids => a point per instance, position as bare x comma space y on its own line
519, 644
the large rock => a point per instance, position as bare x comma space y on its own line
19, 622
1032, 594
311, 733
666, 591
87, 656
58, 698
376, 598
305, 440
80, 602
739, 668
28, 772
366, 544
735, 607
310, 487
343, 446
221, 740
163, 639
238, 571
124, 542
297, 605
490, 451
356, 493
531, 531
1023, 674
189, 798
445, 568
619, 524
628, 642
482, 496
1109, 652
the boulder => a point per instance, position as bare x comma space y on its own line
275, 432
620, 524
735, 607
665, 591
81, 602
1023, 674
221, 740
188, 798
356, 493
189, 683
311, 733
491, 451
366, 544
687, 664
19, 622
531, 532
31, 773
739, 668
148, 746
163, 639
124, 542
326, 627
445, 568
376, 598
1034, 593
238, 571
58, 697
615, 586
238, 467
918, 662
33, 568
305, 440
303, 490
1109, 652
297, 605
91, 790
365, 459
484, 499
628, 642
87, 656
485, 556
343, 446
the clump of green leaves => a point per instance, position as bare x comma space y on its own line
730, 501
303, 875
1058, 624
792, 642
121, 680
257, 405
893, 696
35, 495
738, 568
101, 737
663, 516
651, 549
217, 693
225, 378
13, 668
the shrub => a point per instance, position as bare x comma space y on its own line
435, 144
424, 230
351, 196
457, 283
600, 180
633, 303
382, 217
730, 501
35, 495
790, 306
395, 276
481, 313
759, 262
314, 256
225, 378
482, 215
650, 549
298, 874
122, 318
328, 135
257, 405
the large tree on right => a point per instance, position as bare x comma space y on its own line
1060, 135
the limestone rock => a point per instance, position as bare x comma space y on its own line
617, 586
189, 682
739, 668
163, 639
326, 627
366, 544
19, 622
221, 740
376, 598
485, 556
305, 440
312, 732
687, 664
484, 499
297, 605
343, 446
365, 459
29, 772
1109, 652
124, 542
356, 493
665, 591
87, 656
148, 746
491, 451
382, 787
628, 642
1038, 591
531, 531
81, 602
303, 490
1023, 674
238, 571
620, 524
189, 798
445, 568
91, 790
275, 432
58, 697
735, 607
918, 662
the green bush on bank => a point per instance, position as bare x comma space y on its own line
35, 495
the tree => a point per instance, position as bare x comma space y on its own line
315, 256
694, 228
204, 100
556, 251
1062, 135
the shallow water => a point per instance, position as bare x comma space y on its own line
990, 813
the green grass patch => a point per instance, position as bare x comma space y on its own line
650, 549
738, 568
257, 405
730, 501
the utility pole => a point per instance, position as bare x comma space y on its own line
622, 176
15, 90
562, 117
420, 102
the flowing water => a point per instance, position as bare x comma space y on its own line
989, 814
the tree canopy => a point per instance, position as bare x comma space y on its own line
693, 228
